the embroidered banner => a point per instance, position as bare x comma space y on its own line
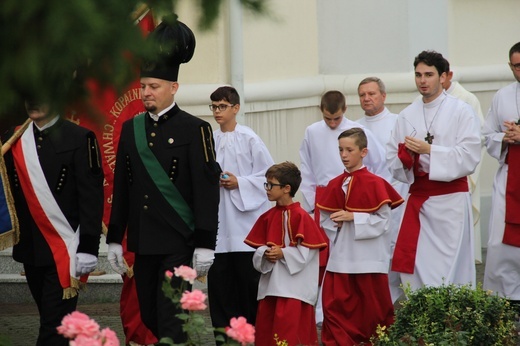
9, 231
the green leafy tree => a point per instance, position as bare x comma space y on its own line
48, 48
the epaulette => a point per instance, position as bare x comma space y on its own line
94, 159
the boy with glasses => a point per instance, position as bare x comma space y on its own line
287, 243
244, 158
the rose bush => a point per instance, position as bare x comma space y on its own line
239, 331
84, 331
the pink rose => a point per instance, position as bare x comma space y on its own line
109, 337
186, 273
241, 331
168, 274
77, 323
193, 300
83, 340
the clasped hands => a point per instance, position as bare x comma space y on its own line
273, 253
417, 146
512, 132
339, 216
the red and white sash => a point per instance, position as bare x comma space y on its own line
46, 212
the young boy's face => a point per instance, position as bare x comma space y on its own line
274, 190
227, 115
350, 153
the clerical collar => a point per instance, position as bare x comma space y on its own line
437, 101
156, 117
451, 88
377, 116
49, 124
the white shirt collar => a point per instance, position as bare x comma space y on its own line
49, 124
156, 117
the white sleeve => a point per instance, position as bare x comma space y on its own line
308, 184
451, 162
260, 263
295, 258
372, 225
493, 132
250, 194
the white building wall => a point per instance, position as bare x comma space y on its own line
304, 47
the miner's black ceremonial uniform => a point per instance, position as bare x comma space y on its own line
71, 163
184, 147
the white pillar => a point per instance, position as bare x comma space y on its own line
237, 53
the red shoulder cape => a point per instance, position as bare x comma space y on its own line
269, 229
366, 192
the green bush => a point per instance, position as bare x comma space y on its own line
451, 315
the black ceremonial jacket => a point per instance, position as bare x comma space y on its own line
70, 159
183, 144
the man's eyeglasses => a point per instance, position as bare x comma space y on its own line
516, 66
269, 186
221, 107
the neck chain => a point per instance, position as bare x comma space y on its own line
429, 137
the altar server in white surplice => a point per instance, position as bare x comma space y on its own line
502, 136
244, 159
454, 88
435, 145
379, 120
319, 150
320, 162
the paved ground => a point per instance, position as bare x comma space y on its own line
19, 322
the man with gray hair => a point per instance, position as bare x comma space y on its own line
379, 120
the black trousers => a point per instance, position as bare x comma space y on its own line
48, 294
232, 288
157, 311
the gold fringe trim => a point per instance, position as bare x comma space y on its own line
11, 237
129, 269
75, 287
8, 239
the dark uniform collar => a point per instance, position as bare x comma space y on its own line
48, 130
165, 116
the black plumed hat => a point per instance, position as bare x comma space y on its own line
173, 44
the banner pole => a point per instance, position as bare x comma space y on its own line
7, 145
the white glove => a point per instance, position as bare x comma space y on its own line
85, 263
202, 260
115, 258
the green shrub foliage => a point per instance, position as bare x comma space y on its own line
451, 315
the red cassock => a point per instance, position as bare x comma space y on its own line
355, 303
289, 319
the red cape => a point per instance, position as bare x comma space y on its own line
366, 192
269, 229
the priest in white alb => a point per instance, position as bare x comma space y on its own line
434, 146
